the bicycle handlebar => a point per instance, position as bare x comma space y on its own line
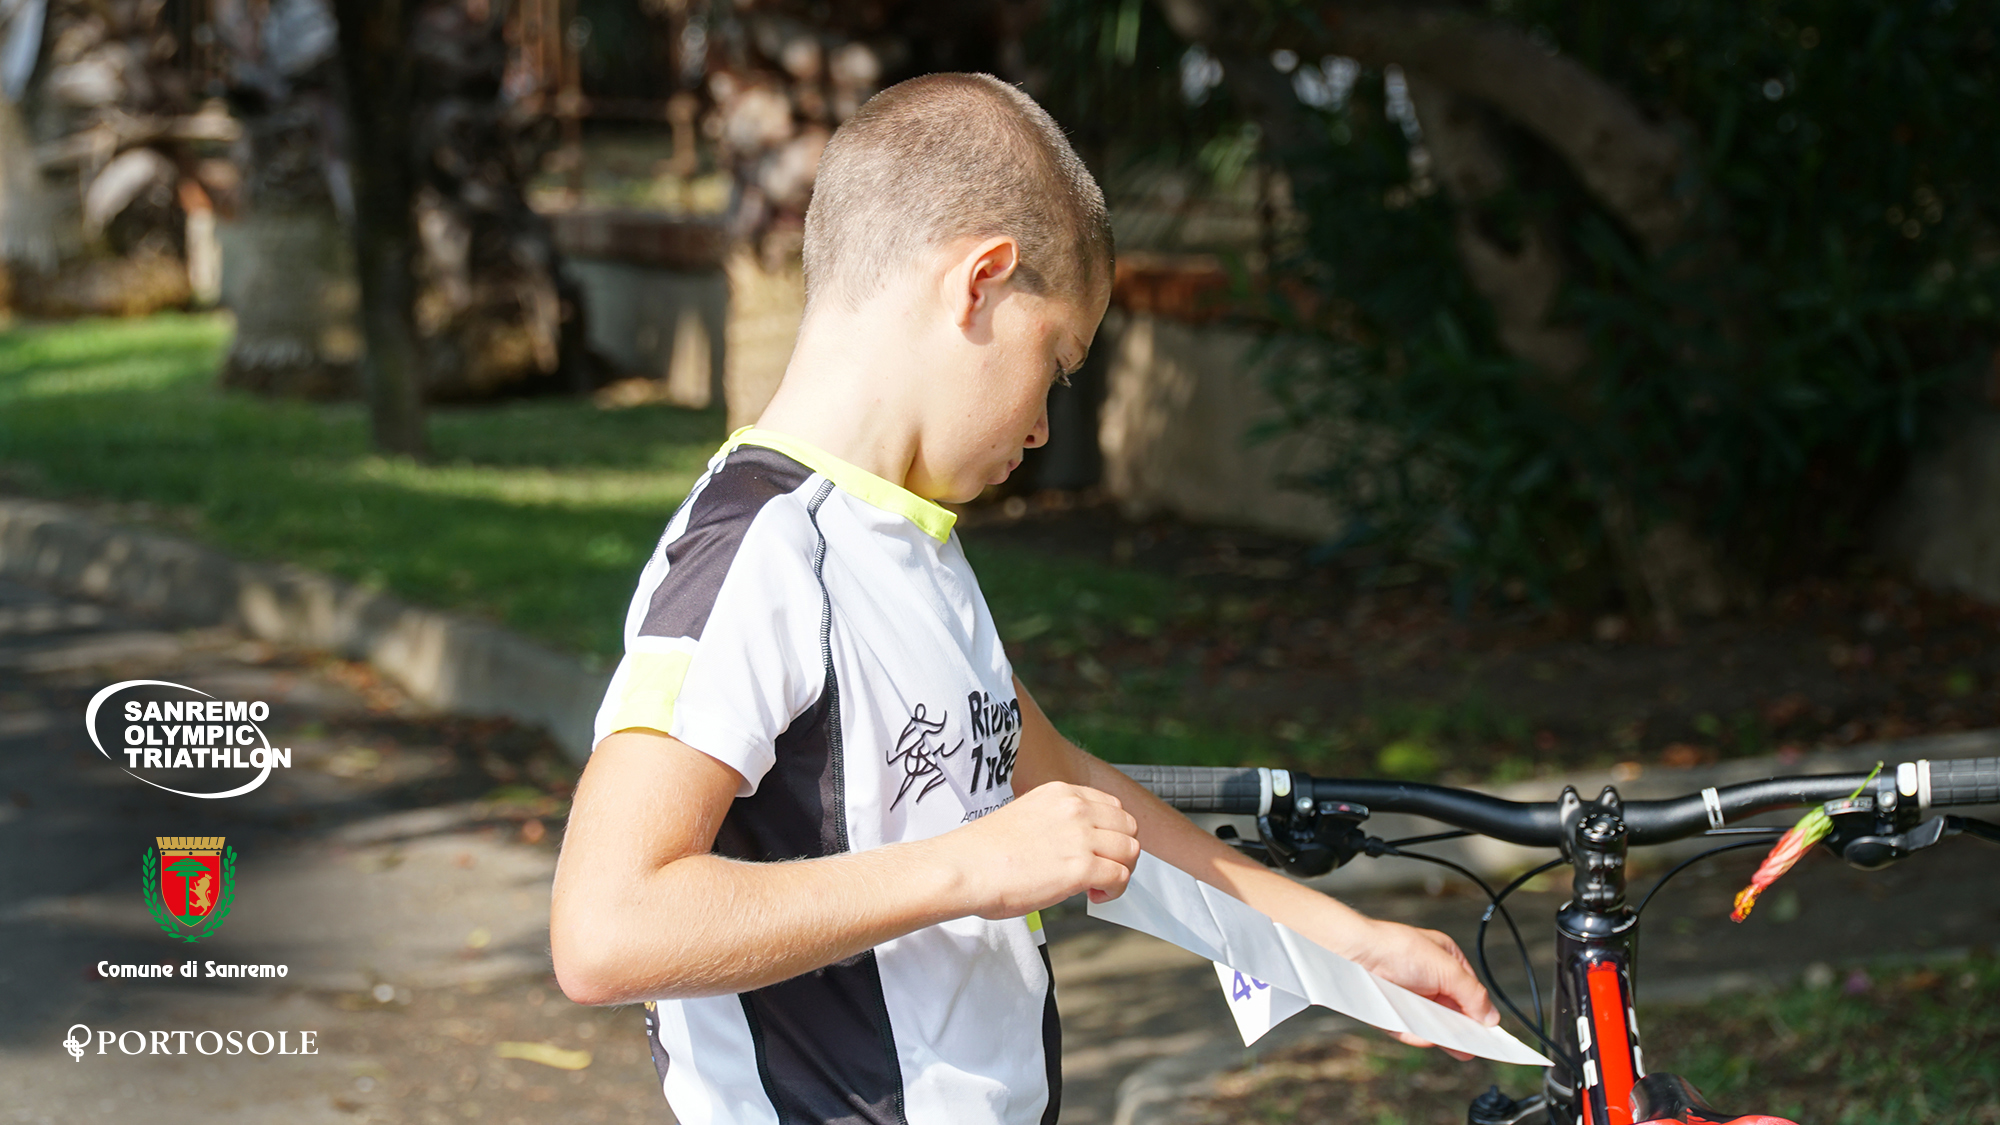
1968, 781
1253, 792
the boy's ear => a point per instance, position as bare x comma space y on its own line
975, 281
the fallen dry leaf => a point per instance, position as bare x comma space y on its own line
548, 1054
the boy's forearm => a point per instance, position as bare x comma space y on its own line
704, 925
642, 910
1165, 832
1174, 838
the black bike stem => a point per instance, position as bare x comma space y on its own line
1596, 955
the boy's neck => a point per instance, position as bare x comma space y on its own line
848, 390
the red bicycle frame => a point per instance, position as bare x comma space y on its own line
1597, 1025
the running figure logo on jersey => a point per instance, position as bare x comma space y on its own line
920, 759
920, 749
189, 884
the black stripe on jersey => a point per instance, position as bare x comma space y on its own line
660, 1060
823, 1057
825, 1051
700, 558
1051, 1043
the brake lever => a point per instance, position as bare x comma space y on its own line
1874, 852
1305, 839
1255, 849
1972, 826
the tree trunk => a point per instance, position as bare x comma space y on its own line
494, 310
377, 64
96, 140
1518, 281
287, 248
1459, 68
29, 210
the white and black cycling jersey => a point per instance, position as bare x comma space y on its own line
817, 629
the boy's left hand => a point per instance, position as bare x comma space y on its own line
1426, 962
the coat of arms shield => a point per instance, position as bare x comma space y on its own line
190, 884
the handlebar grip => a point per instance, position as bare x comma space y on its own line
1966, 781
1206, 789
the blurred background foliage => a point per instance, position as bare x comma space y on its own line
1756, 385
1763, 382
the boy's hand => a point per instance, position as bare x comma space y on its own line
1044, 846
1427, 963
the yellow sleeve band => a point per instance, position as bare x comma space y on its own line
645, 688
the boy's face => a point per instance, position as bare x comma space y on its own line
996, 406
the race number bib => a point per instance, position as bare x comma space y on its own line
1257, 1006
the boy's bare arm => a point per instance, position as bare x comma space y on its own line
1424, 961
642, 910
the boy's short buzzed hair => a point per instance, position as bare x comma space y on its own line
946, 156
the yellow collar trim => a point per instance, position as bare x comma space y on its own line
935, 521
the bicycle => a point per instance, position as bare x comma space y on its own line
1308, 826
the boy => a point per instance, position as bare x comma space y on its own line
812, 676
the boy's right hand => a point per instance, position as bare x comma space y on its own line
1052, 842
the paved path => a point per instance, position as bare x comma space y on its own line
401, 871
411, 912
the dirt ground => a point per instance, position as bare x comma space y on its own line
1332, 661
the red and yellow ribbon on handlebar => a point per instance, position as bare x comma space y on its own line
1790, 848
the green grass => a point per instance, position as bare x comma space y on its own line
1057, 614
536, 514
1915, 1045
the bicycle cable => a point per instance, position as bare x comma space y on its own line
1407, 841
1479, 947
1762, 836
1535, 1025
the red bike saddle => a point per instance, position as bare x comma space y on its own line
1669, 1099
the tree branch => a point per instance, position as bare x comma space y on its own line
1518, 281
1630, 163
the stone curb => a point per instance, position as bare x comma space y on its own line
442, 660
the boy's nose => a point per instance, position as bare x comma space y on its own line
1040, 434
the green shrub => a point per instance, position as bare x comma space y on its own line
1763, 385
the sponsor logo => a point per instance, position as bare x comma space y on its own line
187, 735
189, 884
920, 751
81, 1040
927, 756
190, 969
997, 725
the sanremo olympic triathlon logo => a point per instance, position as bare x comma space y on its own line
190, 740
